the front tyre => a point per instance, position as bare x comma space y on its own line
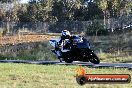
94, 59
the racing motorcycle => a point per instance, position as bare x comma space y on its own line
76, 49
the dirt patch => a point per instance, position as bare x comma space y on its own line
16, 39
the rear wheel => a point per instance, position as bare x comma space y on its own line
94, 59
68, 60
68, 57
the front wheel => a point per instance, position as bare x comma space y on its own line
94, 59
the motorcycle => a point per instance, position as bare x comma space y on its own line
76, 49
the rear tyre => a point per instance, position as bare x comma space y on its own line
68, 57
94, 59
68, 60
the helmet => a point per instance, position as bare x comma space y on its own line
66, 33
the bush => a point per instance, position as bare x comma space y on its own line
96, 28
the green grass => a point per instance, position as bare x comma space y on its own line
52, 76
113, 58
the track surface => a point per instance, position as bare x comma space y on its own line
103, 64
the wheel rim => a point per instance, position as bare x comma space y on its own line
94, 59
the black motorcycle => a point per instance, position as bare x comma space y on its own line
75, 49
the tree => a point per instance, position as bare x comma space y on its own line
96, 28
58, 10
92, 11
2, 15
103, 5
129, 7
8, 1
10, 8
22, 13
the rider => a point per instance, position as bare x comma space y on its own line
65, 34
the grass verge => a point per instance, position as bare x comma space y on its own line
52, 76
113, 58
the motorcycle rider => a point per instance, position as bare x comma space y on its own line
65, 34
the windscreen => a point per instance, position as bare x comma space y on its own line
81, 42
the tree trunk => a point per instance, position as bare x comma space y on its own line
104, 19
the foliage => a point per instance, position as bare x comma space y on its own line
8, 1
41, 51
92, 11
2, 14
96, 29
61, 10
65, 10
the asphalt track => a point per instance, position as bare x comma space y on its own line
102, 64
